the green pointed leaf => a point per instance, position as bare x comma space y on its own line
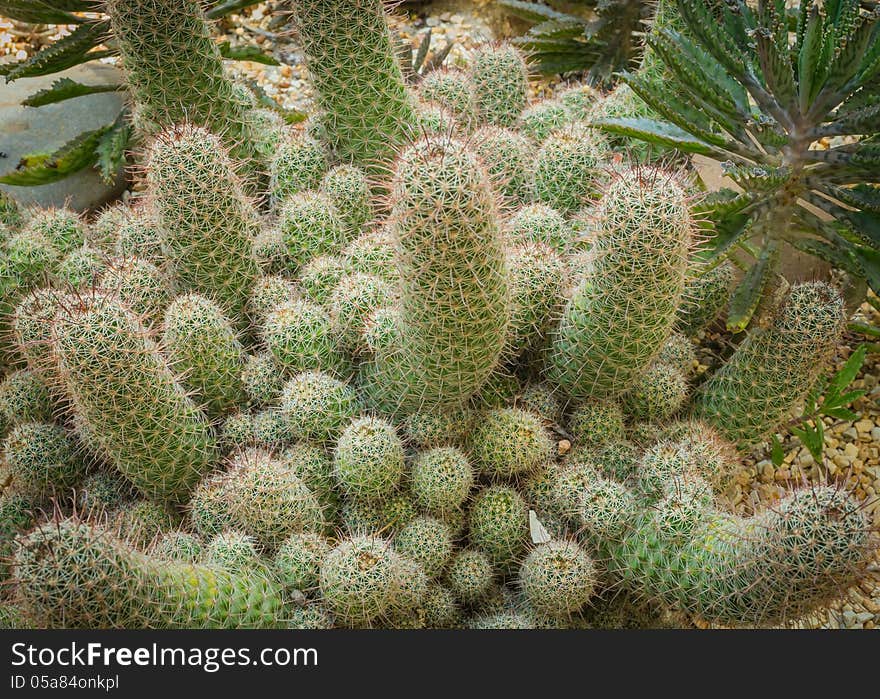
229, 7
531, 11
715, 37
65, 89
748, 294
841, 414
776, 453
246, 53
44, 11
111, 149
558, 29
848, 372
69, 51
776, 68
656, 132
44, 168
808, 58
813, 438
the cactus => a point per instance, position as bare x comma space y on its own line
81, 267
440, 608
349, 191
178, 545
202, 346
268, 293
541, 119
499, 523
261, 379
233, 551
471, 576
428, 542
542, 400
580, 100
537, 277
316, 406
366, 109
774, 367
298, 561
678, 352
175, 73
568, 170
454, 292
310, 617
10, 214
298, 165
355, 297
124, 390
499, 80
507, 157
557, 578
320, 276
41, 459
258, 495
597, 423
138, 284
657, 394
373, 253
358, 580
142, 522
25, 397
207, 220
368, 461
441, 479
450, 89
509, 442
73, 575
764, 570
539, 223
619, 316
102, 492
138, 235
300, 336
310, 225
63, 229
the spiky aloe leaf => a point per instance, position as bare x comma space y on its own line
69, 51
65, 89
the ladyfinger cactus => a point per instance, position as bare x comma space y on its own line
619, 316
124, 390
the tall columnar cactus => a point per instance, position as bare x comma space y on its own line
774, 367
208, 222
73, 575
767, 569
454, 308
175, 73
121, 386
366, 109
619, 316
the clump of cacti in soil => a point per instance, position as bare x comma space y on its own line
339, 403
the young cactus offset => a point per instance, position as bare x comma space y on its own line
774, 367
208, 221
366, 109
454, 307
123, 389
619, 316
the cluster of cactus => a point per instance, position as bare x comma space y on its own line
344, 406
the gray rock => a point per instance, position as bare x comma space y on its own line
26, 130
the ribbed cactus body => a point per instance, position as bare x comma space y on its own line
175, 73
207, 220
619, 316
454, 307
774, 368
366, 109
123, 389
72, 575
500, 82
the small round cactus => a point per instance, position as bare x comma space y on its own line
678, 352
438, 428
81, 267
705, 294
349, 191
604, 509
178, 545
542, 400
317, 406
298, 165
580, 99
499, 80
499, 523
298, 561
539, 223
142, 522
259, 496
428, 542
441, 479
101, 492
558, 578
233, 551
63, 228
358, 580
320, 276
451, 89
471, 576
373, 253
261, 379
595, 423
354, 298
510, 442
140, 285
569, 168
368, 462
25, 397
41, 459
508, 159
541, 119
310, 225
268, 293
537, 277
300, 336
440, 607
656, 395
